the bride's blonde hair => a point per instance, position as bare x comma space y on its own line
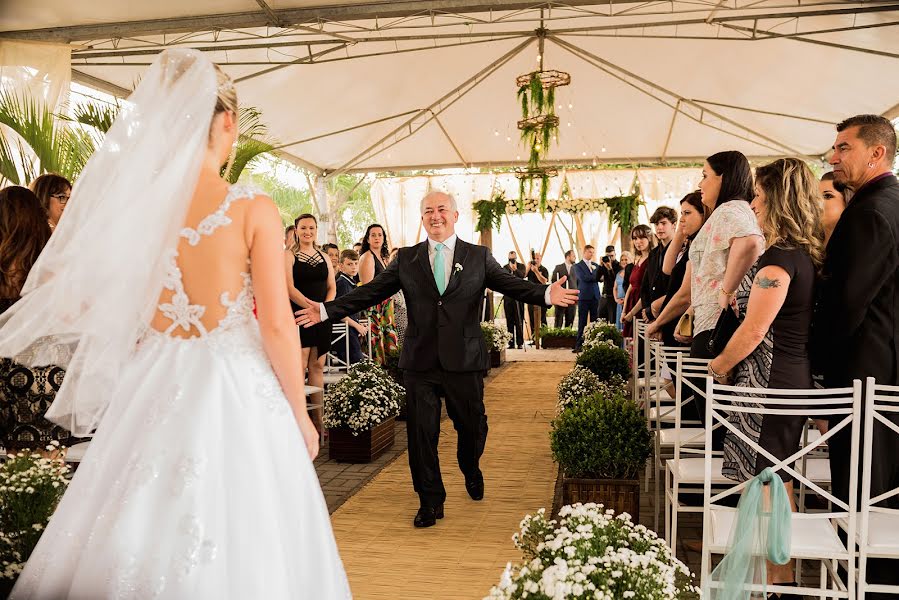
226, 101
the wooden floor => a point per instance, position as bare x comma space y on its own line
463, 555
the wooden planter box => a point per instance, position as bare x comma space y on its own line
343, 446
497, 358
621, 495
557, 342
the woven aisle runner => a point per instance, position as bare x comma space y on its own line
463, 555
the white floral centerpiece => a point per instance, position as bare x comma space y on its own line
601, 331
31, 485
366, 397
496, 337
592, 554
581, 382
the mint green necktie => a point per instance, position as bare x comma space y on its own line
439, 268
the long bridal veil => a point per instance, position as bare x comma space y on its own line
96, 284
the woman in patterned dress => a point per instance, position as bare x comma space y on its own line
25, 392
373, 260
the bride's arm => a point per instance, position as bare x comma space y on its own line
280, 338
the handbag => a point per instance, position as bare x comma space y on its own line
727, 324
684, 327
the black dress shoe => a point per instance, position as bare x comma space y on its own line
474, 484
427, 516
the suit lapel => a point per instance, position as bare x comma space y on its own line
421, 255
459, 254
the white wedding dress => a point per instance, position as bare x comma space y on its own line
197, 484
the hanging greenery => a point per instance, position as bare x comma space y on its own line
623, 210
490, 212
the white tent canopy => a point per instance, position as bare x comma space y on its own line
394, 86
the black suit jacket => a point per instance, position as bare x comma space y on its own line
562, 271
857, 328
443, 331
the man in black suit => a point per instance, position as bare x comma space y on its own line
857, 330
565, 317
513, 309
443, 280
587, 273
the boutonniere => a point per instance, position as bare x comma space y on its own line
457, 268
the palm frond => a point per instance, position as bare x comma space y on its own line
9, 161
248, 149
99, 117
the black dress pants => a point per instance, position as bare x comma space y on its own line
514, 320
464, 393
564, 316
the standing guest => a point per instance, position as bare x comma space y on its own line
775, 301
346, 283
399, 306
587, 273
290, 236
565, 318
608, 269
836, 198
373, 262
618, 290
655, 280
358, 248
514, 309
310, 278
537, 274
53, 191
859, 303
24, 231
723, 251
443, 279
643, 241
676, 300
333, 253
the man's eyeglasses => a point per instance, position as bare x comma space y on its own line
61, 198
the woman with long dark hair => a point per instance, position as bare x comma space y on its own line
372, 261
25, 392
836, 197
644, 241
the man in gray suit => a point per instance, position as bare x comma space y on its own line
565, 316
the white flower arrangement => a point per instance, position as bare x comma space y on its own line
569, 205
31, 485
579, 383
601, 331
366, 397
495, 337
592, 554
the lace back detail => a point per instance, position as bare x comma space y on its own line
179, 309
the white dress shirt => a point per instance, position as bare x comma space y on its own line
589, 265
448, 251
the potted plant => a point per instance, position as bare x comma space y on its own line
581, 383
605, 360
592, 554
602, 331
602, 444
557, 337
497, 340
31, 485
360, 411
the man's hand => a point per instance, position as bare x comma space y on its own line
307, 317
559, 296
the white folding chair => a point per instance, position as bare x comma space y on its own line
878, 531
339, 335
813, 535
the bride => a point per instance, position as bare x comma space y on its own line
199, 480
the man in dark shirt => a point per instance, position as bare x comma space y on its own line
655, 282
608, 269
513, 308
565, 317
538, 274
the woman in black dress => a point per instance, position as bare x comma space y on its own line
25, 392
775, 302
310, 277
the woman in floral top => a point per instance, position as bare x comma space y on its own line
724, 250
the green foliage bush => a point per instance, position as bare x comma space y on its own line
547, 332
601, 438
606, 360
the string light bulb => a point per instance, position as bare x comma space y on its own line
603, 148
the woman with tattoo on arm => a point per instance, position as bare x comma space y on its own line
775, 301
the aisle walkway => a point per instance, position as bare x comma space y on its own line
462, 557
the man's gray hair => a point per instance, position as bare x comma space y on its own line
452, 201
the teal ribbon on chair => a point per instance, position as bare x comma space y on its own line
758, 535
